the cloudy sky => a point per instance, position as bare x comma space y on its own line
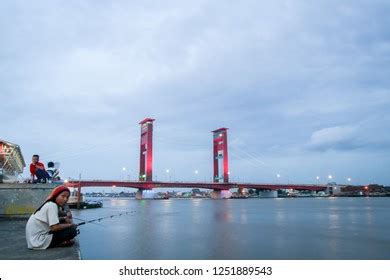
303, 86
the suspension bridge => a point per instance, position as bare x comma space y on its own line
219, 185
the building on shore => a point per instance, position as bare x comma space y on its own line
11, 162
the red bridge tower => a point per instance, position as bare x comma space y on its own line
220, 156
146, 150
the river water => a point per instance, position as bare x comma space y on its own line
290, 228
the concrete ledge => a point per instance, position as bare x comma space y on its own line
13, 245
22, 199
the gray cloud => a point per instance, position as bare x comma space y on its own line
338, 137
294, 81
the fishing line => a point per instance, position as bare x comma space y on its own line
102, 218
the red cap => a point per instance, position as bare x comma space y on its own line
56, 192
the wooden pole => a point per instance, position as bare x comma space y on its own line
79, 193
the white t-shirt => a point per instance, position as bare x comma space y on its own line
38, 226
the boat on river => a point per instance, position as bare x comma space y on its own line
84, 203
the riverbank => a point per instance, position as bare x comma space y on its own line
13, 244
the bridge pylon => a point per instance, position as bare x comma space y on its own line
220, 162
146, 154
146, 150
220, 156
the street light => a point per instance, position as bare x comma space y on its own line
123, 175
170, 177
349, 179
278, 175
330, 177
196, 172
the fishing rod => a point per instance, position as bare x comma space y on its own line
82, 220
102, 218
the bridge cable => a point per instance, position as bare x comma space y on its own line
102, 218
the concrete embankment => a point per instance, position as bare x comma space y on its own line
20, 200
17, 202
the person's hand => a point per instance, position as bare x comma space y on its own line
73, 226
68, 220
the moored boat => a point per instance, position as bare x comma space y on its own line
84, 204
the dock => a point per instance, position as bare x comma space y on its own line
13, 245
17, 202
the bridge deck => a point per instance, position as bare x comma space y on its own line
214, 186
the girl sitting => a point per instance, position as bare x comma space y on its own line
44, 230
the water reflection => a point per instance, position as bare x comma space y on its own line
239, 229
118, 202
